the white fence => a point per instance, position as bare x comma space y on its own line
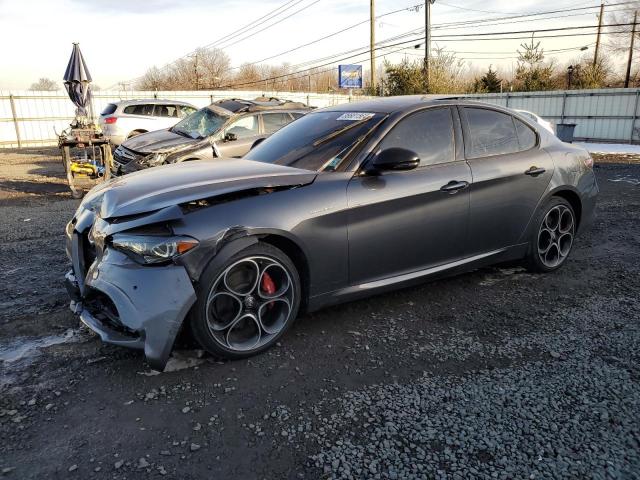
30, 119
608, 115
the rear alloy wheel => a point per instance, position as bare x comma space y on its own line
248, 304
554, 236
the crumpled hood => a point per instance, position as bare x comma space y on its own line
158, 142
159, 187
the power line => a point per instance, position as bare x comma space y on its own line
404, 43
350, 27
253, 23
447, 26
271, 25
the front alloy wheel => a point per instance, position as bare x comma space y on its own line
249, 303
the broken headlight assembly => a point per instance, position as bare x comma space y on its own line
153, 160
151, 249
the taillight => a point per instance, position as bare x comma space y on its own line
110, 120
588, 161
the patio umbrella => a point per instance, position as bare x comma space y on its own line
77, 81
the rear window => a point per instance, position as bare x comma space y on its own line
109, 109
491, 132
526, 136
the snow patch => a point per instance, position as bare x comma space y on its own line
613, 148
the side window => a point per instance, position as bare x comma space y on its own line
165, 111
275, 121
185, 111
244, 127
142, 109
490, 132
526, 136
429, 133
297, 115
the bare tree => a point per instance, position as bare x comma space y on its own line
44, 85
205, 69
446, 72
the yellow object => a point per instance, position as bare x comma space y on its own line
83, 168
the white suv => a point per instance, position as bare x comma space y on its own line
126, 119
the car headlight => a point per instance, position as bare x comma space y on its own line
152, 249
154, 159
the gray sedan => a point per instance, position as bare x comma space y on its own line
346, 202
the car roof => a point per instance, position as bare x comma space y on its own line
240, 105
403, 103
154, 101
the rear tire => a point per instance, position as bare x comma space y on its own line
245, 305
552, 237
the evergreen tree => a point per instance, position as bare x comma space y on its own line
490, 81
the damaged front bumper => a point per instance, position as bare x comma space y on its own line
128, 304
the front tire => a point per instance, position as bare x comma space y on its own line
244, 306
552, 237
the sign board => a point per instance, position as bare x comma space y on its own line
350, 76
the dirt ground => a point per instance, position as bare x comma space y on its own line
497, 373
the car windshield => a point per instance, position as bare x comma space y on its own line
318, 141
200, 124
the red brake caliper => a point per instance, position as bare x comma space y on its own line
268, 286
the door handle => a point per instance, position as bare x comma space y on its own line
535, 171
454, 186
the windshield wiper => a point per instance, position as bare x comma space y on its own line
177, 131
340, 131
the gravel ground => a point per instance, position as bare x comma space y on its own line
493, 374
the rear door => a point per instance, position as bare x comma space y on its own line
139, 117
402, 222
510, 175
246, 130
274, 121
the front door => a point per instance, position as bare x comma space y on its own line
402, 222
246, 130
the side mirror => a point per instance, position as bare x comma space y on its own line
395, 159
230, 137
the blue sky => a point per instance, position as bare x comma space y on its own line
120, 39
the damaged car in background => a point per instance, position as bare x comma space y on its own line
231, 126
343, 203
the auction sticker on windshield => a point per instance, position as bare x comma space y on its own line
351, 116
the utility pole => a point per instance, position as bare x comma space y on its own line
427, 39
372, 45
195, 71
633, 37
595, 55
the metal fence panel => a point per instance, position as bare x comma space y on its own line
33, 118
40, 115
